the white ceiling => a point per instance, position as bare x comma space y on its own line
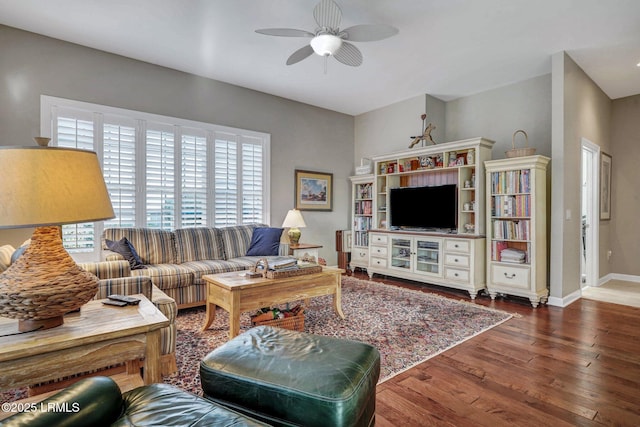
445, 48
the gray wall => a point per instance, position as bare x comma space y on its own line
496, 114
302, 136
580, 109
625, 186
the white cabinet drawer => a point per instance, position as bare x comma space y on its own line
379, 239
360, 255
378, 262
379, 251
457, 260
457, 245
517, 277
455, 274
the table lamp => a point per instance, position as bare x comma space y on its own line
45, 187
294, 221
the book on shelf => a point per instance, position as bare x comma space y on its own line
513, 181
509, 205
511, 230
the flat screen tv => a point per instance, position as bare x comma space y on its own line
424, 207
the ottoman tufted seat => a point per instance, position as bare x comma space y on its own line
288, 378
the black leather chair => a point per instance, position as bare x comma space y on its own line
97, 401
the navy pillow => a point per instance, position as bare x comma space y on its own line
265, 241
126, 249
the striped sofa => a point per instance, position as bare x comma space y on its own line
176, 260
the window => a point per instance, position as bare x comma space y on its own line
162, 172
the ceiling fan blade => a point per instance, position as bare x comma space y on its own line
300, 54
348, 54
285, 32
368, 32
327, 14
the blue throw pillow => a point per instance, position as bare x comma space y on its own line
265, 241
126, 249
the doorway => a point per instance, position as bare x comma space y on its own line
590, 218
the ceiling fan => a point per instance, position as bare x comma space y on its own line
329, 40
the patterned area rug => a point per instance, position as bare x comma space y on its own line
408, 327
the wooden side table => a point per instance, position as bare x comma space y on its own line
305, 251
96, 337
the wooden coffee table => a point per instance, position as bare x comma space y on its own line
96, 337
237, 293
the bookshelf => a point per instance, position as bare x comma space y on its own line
362, 219
517, 228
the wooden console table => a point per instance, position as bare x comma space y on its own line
96, 337
237, 293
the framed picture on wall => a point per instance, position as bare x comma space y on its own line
605, 186
314, 191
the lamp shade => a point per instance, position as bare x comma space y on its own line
294, 219
51, 186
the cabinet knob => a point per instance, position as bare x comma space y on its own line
455, 260
456, 245
455, 274
509, 276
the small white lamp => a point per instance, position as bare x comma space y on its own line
294, 221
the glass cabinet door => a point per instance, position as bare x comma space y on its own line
401, 253
428, 256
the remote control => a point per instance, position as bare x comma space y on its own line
126, 299
114, 302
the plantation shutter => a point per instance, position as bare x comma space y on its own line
225, 181
252, 183
193, 180
160, 179
77, 131
119, 168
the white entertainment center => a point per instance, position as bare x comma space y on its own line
453, 257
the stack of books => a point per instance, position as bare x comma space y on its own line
283, 264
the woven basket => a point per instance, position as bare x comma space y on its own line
520, 152
294, 323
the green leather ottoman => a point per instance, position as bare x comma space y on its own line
293, 378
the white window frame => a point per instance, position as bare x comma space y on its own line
50, 106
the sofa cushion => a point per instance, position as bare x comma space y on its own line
265, 241
236, 240
195, 244
167, 276
153, 246
107, 269
200, 268
126, 249
5, 256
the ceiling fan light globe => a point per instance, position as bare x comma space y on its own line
326, 44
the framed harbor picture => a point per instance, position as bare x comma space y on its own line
314, 191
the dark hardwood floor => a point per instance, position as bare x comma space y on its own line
550, 366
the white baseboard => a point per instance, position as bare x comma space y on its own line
565, 301
618, 276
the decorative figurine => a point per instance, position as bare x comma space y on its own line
426, 133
